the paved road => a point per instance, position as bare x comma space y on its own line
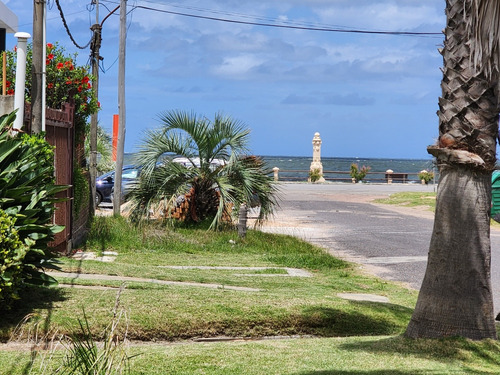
390, 242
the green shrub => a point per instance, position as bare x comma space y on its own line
426, 176
314, 175
359, 173
81, 189
27, 193
12, 253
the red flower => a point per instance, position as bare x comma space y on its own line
68, 63
50, 46
7, 84
85, 79
80, 88
71, 67
50, 85
60, 65
47, 62
98, 104
50, 56
10, 92
68, 81
89, 86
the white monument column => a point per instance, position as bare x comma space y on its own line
316, 165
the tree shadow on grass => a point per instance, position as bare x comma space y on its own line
485, 354
362, 319
32, 298
22, 312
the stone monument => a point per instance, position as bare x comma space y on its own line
316, 166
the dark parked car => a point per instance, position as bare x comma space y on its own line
106, 182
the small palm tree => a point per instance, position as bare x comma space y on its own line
216, 170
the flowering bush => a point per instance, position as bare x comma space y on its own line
359, 173
64, 80
426, 176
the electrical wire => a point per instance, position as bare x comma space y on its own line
67, 28
271, 23
337, 30
242, 15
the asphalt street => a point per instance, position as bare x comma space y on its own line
387, 241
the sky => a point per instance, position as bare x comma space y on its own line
368, 95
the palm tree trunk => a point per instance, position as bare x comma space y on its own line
455, 298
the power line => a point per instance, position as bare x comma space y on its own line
67, 28
290, 26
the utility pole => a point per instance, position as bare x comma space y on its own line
121, 110
95, 57
37, 67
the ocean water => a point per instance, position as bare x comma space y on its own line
296, 168
342, 167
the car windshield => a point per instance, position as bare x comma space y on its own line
130, 173
112, 173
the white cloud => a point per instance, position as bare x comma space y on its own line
237, 66
383, 15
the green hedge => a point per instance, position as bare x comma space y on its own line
12, 253
27, 196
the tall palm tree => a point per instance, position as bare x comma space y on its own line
216, 172
455, 298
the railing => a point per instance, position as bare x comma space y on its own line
344, 176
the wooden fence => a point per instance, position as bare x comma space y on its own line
59, 128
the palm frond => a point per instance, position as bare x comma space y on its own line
483, 28
238, 180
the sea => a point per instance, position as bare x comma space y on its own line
337, 169
296, 168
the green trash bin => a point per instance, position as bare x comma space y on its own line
495, 196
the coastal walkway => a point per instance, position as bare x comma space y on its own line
388, 241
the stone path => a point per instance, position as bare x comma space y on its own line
290, 272
87, 276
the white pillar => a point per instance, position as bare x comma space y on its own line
22, 41
44, 69
389, 173
316, 163
276, 173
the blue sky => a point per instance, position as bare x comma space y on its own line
368, 95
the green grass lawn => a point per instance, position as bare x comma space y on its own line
339, 336
411, 199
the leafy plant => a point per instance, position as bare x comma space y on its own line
426, 176
104, 150
81, 188
86, 356
216, 173
314, 175
12, 253
28, 193
359, 173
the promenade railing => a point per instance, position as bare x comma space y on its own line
345, 176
